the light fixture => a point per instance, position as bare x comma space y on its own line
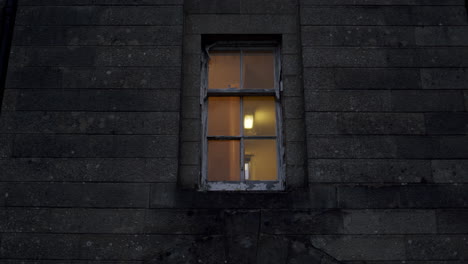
248, 121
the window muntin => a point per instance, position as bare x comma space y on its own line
242, 140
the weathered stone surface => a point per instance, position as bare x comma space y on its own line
95, 146
77, 195
89, 169
99, 15
447, 247
450, 123
364, 123
368, 196
155, 123
383, 15
450, 171
360, 36
441, 78
361, 78
243, 24
302, 222
75, 100
361, 247
434, 196
97, 35
377, 222
369, 171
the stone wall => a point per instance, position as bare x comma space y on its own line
100, 123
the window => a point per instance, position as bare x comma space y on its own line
242, 143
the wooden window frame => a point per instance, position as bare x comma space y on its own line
279, 184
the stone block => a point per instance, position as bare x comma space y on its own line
190, 153
77, 195
360, 196
268, 6
368, 171
100, 15
127, 195
295, 153
40, 246
189, 176
361, 78
364, 123
82, 56
440, 78
89, 169
452, 147
97, 35
293, 107
241, 24
383, 15
346, 248
294, 130
454, 57
434, 196
164, 221
6, 145
42, 220
242, 222
29, 145
156, 123
191, 107
190, 129
44, 194
101, 2
98, 100
446, 247
449, 123
212, 7
450, 171
378, 222
379, 2
427, 101
441, 36
290, 44
358, 36
34, 77
322, 196
348, 101
452, 221
302, 222
292, 85
323, 147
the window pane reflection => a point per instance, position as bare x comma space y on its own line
258, 70
260, 160
259, 116
224, 70
223, 160
223, 116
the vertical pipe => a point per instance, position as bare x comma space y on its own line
7, 26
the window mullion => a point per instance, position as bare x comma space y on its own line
242, 139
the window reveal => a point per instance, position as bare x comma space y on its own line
241, 113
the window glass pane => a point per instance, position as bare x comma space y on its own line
258, 70
223, 160
224, 70
260, 160
223, 116
259, 116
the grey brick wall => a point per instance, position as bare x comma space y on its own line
100, 130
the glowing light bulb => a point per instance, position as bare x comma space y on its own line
248, 121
